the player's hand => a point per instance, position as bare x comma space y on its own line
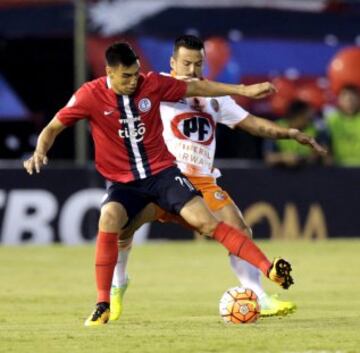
307, 140
258, 90
35, 162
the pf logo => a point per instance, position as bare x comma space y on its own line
195, 126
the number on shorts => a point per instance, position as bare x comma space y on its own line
183, 181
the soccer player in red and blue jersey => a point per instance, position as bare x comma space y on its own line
130, 153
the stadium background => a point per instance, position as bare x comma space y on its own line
172, 302
289, 42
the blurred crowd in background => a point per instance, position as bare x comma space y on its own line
309, 49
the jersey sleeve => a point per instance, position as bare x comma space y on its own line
231, 112
77, 108
171, 89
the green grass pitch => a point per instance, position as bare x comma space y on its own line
172, 303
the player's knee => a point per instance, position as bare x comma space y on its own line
109, 220
112, 218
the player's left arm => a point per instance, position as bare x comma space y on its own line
267, 129
205, 88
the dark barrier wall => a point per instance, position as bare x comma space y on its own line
300, 201
281, 203
61, 204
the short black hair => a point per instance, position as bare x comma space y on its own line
351, 88
188, 41
120, 53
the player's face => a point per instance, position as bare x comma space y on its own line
124, 79
188, 62
349, 101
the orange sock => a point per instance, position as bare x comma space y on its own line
105, 260
239, 244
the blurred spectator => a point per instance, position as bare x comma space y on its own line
344, 128
302, 116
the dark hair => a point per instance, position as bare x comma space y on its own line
297, 107
351, 88
189, 42
120, 53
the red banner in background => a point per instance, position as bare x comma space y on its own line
96, 47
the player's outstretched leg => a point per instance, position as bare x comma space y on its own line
247, 274
240, 245
236, 242
249, 277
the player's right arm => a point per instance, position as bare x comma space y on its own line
267, 129
45, 141
76, 109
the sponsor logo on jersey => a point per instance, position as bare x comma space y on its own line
194, 126
130, 120
108, 112
215, 105
219, 195
137, 133
144, 105
198, 104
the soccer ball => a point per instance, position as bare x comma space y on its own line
239, 306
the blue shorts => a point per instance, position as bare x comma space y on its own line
169, 189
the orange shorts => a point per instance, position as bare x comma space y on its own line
214, 196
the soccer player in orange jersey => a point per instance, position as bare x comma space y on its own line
189, 132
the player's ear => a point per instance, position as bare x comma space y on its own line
172, 63
108, 71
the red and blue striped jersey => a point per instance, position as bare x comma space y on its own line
127, 130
